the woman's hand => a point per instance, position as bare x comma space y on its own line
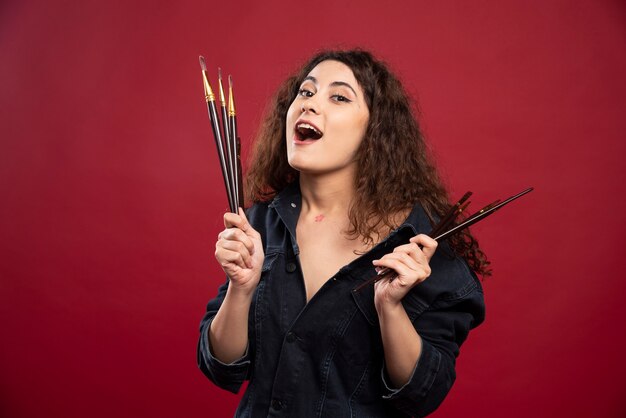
239, 251
411, 266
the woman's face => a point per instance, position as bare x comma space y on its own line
326, 121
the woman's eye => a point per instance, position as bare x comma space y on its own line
340, 98
305, 93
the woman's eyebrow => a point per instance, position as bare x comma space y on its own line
343, 83
333, 84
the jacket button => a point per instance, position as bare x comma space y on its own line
290, 267
277, 405
291, 337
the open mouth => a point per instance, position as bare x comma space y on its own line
306, 131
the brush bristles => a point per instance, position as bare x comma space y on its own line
202, 63
230, 80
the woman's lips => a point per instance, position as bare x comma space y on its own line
305, 129
299, 141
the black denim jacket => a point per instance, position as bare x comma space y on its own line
325, 358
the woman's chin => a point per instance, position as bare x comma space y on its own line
301, 164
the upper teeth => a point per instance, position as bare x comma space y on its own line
307, 126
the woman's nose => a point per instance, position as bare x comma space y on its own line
309, 106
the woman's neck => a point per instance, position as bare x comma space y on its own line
327, 195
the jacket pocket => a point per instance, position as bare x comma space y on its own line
364, 300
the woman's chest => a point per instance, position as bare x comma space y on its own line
323, 250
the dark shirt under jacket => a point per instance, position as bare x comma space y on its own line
325, 358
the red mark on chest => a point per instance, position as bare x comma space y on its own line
319, 218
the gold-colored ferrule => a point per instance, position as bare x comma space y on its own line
231, 101
208, 92
222, 98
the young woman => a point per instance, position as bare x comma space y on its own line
342, 186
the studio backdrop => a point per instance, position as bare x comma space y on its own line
112, 197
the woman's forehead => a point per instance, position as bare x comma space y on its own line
331, 70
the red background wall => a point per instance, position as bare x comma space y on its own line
111, 197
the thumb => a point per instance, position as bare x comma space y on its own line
245, 224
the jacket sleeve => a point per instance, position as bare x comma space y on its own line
227, 376
443, 324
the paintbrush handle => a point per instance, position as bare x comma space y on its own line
386, 272
220, 153
480, 216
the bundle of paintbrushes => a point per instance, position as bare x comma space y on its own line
226, 140
446, 227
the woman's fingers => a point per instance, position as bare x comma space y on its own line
406, 269
228, 258
236, 234
411, 261
245, 225
414, 251
237, 247
239, 220
400, 259
239, 251
238, 243
429, 245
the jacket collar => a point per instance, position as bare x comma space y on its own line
288, 203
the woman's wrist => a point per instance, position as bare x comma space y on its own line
389, 309
240, 294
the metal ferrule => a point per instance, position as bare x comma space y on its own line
208, 92
231, 102
222, 97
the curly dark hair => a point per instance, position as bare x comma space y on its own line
393, 152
